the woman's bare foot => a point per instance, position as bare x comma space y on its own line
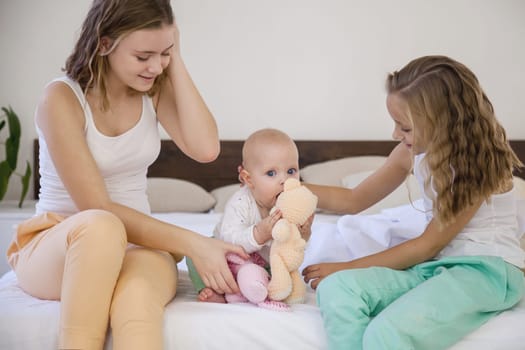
208, 295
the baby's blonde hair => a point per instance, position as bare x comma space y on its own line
252, 146
467, 151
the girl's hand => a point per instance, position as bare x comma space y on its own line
263, 229
316, 273
306, 228
209, 259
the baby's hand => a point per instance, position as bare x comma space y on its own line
306, 228
263, 230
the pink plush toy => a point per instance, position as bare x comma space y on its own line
252, 279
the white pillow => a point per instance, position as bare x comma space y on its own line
399, 197
332, 172
172, 195
222, 195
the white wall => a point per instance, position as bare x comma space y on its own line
314, 68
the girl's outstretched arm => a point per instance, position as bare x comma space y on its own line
402, 256
374, 188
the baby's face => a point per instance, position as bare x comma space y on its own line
269, 170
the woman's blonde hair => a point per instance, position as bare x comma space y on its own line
113, 19
467, 151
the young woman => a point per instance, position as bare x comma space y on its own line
93, 244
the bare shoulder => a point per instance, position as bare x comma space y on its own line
58, 90
400, 158
58, 103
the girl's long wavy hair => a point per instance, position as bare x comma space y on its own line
467, 151
113, 19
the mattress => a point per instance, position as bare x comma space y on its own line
27, 323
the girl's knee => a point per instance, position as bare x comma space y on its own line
344, 289
343, 281
327, 287
331, 289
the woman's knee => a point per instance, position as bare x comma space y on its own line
147, 275
101, 227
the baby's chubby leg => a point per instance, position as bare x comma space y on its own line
208, 295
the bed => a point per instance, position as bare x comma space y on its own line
202, 189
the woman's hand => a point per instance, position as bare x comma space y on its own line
306, 228
209, 258
176, 39
174, 52
314, 274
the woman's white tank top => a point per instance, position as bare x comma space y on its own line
122, 160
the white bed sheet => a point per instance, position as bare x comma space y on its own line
27, 323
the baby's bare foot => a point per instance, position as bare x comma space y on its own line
208, 295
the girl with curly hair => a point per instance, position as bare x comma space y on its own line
430, 291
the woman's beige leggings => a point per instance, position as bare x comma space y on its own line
84, 261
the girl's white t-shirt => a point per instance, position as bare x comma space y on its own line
492, 231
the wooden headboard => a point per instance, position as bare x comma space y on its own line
223, 171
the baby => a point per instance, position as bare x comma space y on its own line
269, 157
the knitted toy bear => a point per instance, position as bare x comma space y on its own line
296, 204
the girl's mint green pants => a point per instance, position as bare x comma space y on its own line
429, 306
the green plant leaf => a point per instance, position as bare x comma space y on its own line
11, 152
25, 184
5, 173
12, 144
14, 122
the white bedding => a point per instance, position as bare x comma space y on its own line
29, 323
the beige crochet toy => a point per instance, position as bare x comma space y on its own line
297, 204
